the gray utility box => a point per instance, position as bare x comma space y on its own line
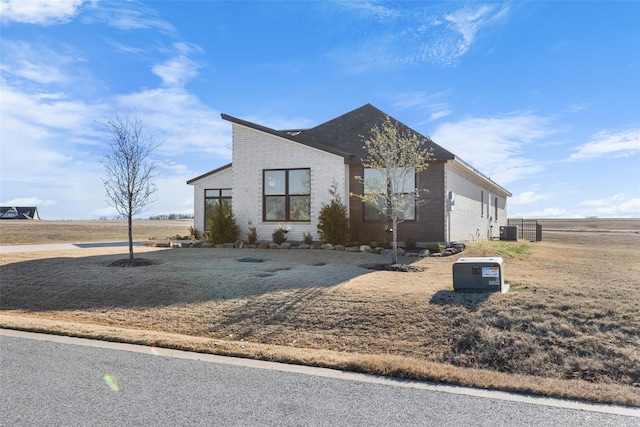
480, 274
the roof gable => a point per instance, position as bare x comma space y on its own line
344, 135
348, 131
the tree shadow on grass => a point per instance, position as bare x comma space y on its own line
471, 301
178, 276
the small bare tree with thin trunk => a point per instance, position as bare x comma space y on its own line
395, 155
128, 170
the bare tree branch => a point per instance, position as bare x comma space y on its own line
397, 155
128, 170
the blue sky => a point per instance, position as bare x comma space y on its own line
544, 97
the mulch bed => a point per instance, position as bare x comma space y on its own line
136, 262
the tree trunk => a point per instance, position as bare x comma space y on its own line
130, 237
394, 245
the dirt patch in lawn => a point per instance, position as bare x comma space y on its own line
568, 327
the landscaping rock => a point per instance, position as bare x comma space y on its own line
327, 247
238, 244
339, 247
303, 246
263, 245
274, 246
285, 245
366, 249
207, 245
180, 243
424, 253
250, 259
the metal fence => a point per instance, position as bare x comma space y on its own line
528, 229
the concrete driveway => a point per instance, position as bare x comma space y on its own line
63, 246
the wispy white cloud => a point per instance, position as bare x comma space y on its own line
40, 12
549, 212
575, 108
609, 143
495, 145
372, 10
436, 108
60, 141
130, 16
40, 64
415, 36
188, 126
179, 69
467, 22
527, 198
28, 201
617, 205
176, 71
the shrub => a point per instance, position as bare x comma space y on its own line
333, 222
194, 234
222, 225
410, 243
435, 247
252, 234
279, 235
383, 241
363, 239
307, 238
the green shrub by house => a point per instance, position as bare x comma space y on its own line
410, 243
307, 238
252, 234
279, 235
222, 225
333, 222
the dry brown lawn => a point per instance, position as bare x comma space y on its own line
41, 232
568, 327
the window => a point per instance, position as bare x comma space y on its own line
481, 204
495, 206
286, 195
213, 198
379, 209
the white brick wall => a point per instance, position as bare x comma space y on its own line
254, 151
471, 219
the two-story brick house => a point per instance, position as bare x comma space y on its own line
282, 178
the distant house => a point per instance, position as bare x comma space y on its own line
282, 178
14, 212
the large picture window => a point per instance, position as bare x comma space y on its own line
213, 198
287, 195
379, 209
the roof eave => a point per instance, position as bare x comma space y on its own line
204, 175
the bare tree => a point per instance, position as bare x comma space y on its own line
395, 155
128, 170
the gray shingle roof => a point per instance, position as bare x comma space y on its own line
344, 135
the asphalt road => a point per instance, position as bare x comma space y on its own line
49, 380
